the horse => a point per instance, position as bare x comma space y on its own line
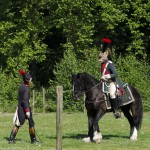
84, 83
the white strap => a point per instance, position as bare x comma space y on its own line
105, 69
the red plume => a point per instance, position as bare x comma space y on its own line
106, 40
22, 72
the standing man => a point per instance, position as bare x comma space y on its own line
23, 110
109, 74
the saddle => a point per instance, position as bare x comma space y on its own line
124, 95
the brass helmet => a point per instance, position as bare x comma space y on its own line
106, 53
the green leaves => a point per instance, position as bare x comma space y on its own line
49, 35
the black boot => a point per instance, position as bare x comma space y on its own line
114, 105
13, 134
33, 136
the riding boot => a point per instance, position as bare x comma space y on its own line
114, 105
33, 136
13, 134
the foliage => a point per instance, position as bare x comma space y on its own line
36, 35
91, 64
63, 72
136, 73
20, 42
8, 92
124, 22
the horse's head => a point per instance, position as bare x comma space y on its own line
78, 88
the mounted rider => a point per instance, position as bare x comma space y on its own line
109, 74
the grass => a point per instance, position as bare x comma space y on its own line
115, 133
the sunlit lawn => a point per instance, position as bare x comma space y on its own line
115, 133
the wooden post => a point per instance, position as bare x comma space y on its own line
43, 91
33, 101
59, 92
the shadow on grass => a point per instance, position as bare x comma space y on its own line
17, 140
81, 136
74, 136
109, 136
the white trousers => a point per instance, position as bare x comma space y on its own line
16, 119
112, 90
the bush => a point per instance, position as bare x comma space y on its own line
129, 69
136, 72
63, 71
8, 93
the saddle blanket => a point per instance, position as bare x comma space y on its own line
124, 99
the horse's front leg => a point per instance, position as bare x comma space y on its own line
90, 130
97, 134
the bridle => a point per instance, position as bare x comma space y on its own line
90, 90
93, 87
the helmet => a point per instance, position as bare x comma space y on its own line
26, 76
105, 44
107, 47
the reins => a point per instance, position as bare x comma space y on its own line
90, 102
90, 90
93, 87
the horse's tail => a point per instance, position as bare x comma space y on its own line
138, 110
138, 121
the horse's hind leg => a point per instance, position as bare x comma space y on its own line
133, 129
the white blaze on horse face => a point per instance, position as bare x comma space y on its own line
73, 89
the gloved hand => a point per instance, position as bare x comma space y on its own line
28, 114
27, 110
106, 77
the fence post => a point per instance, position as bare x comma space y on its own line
43, 91
59, 92
33, 100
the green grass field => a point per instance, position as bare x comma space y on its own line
115, 133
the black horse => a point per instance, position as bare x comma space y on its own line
96, 106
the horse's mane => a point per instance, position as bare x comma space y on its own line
88, 77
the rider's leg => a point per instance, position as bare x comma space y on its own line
32, 131
13, 134
113, 100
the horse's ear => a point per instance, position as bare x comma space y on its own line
73, 76
77, 76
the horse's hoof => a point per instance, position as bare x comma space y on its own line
97, 137
86, 140
133, 139
98, 141
134, 135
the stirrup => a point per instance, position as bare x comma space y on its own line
117, 115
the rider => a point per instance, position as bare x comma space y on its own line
109, 74
23, 110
